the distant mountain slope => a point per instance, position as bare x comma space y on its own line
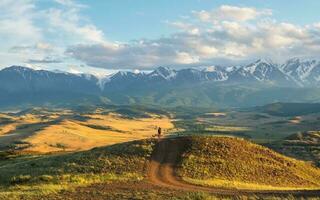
19, 79
261, 71
304, 72
258, 83
290, 109
20, 85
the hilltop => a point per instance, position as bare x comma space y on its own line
237, 163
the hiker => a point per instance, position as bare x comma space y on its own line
159, 132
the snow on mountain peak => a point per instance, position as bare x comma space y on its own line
210, 69
299, 69
164, 72
303, 72
102, 81
232, 68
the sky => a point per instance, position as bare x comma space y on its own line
104, 36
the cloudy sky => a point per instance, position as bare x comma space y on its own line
103, 36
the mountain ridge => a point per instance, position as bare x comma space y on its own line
257, 83
294, 72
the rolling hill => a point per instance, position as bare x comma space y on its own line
40, 130
290, 109
237, 163
301, 145
218, 165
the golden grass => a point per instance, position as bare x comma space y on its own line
64, 182
239, 163
8, 128
47, 174
227, 128
295, 120
73, 135
216, 114
27, 119
220, 183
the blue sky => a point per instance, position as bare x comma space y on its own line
127, 20
105, 36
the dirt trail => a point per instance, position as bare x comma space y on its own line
164, 160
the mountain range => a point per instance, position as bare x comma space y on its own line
294, 73
296, 80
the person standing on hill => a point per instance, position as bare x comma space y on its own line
159, 132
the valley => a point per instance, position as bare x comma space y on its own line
45, 131
101, 150
159, 100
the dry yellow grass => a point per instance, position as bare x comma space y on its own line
227, 128
295, 120
8, 128
23, 120
216, 114
237, 163
72, 135
220, 183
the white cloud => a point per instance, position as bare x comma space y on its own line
16, 22
70, 3
227, 34
226, 12
40, 47
31, 34
240, 34
45, 60
186, 58
70, 22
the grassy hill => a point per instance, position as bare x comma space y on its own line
30, 176
311, 137
40, 130
302, 145
290, 109
217, 161
237, 163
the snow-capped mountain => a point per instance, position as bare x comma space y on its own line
303, 72
17, 78
20, 84
294, 72
163, 73
260, 71
216, 73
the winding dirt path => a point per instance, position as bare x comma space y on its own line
164, 160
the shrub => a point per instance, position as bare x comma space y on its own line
196, 196
4, 155
20, 179
46, 178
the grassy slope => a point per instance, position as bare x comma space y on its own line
290, 109
302, 145
311, 137
40, 130
47, 174
97, 130
231, 162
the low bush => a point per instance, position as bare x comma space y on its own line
21, 179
